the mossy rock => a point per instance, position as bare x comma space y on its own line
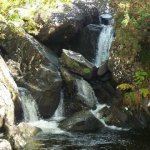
76, 63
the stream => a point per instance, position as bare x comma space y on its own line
104, 140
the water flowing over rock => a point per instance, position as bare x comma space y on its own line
39, 67
82, 121
29, 106
85, 94
59, 113
102, 116
104, 44
88, 40
76, 63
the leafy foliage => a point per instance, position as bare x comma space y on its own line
22, 12
133, 40
136, 92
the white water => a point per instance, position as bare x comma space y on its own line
97, 115
59, 113
104, 44
29, 106
86, 92
50, 127
31, 116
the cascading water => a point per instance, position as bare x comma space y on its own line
31, 116
29, 106
59, 113
104, 44
97, 114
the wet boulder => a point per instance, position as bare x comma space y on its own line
88, 41
83, 121
39, 67
60, 25
77, 64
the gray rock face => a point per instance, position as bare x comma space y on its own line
65, 22
5, 145
85, 94
76, 63
38, 65
83, 121
89, 41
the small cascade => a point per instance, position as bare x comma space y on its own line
31, 116
97, 114
85, 93
59, 113
29, 106
104, 44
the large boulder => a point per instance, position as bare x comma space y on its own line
38, 65
6, 107
7, 80
60, 25
76, 63
83, 121
5, 145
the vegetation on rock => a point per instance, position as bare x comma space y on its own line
132, 47
21, 13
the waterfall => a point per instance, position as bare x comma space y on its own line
104, 43
29, 106
85, 93
31, 116
59, 113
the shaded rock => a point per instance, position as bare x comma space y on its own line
88, 41
69, 79
63, 23
85, 94
83, 121
106, 19
38, 65
106, 92
76, 63
5, 145
102, 69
